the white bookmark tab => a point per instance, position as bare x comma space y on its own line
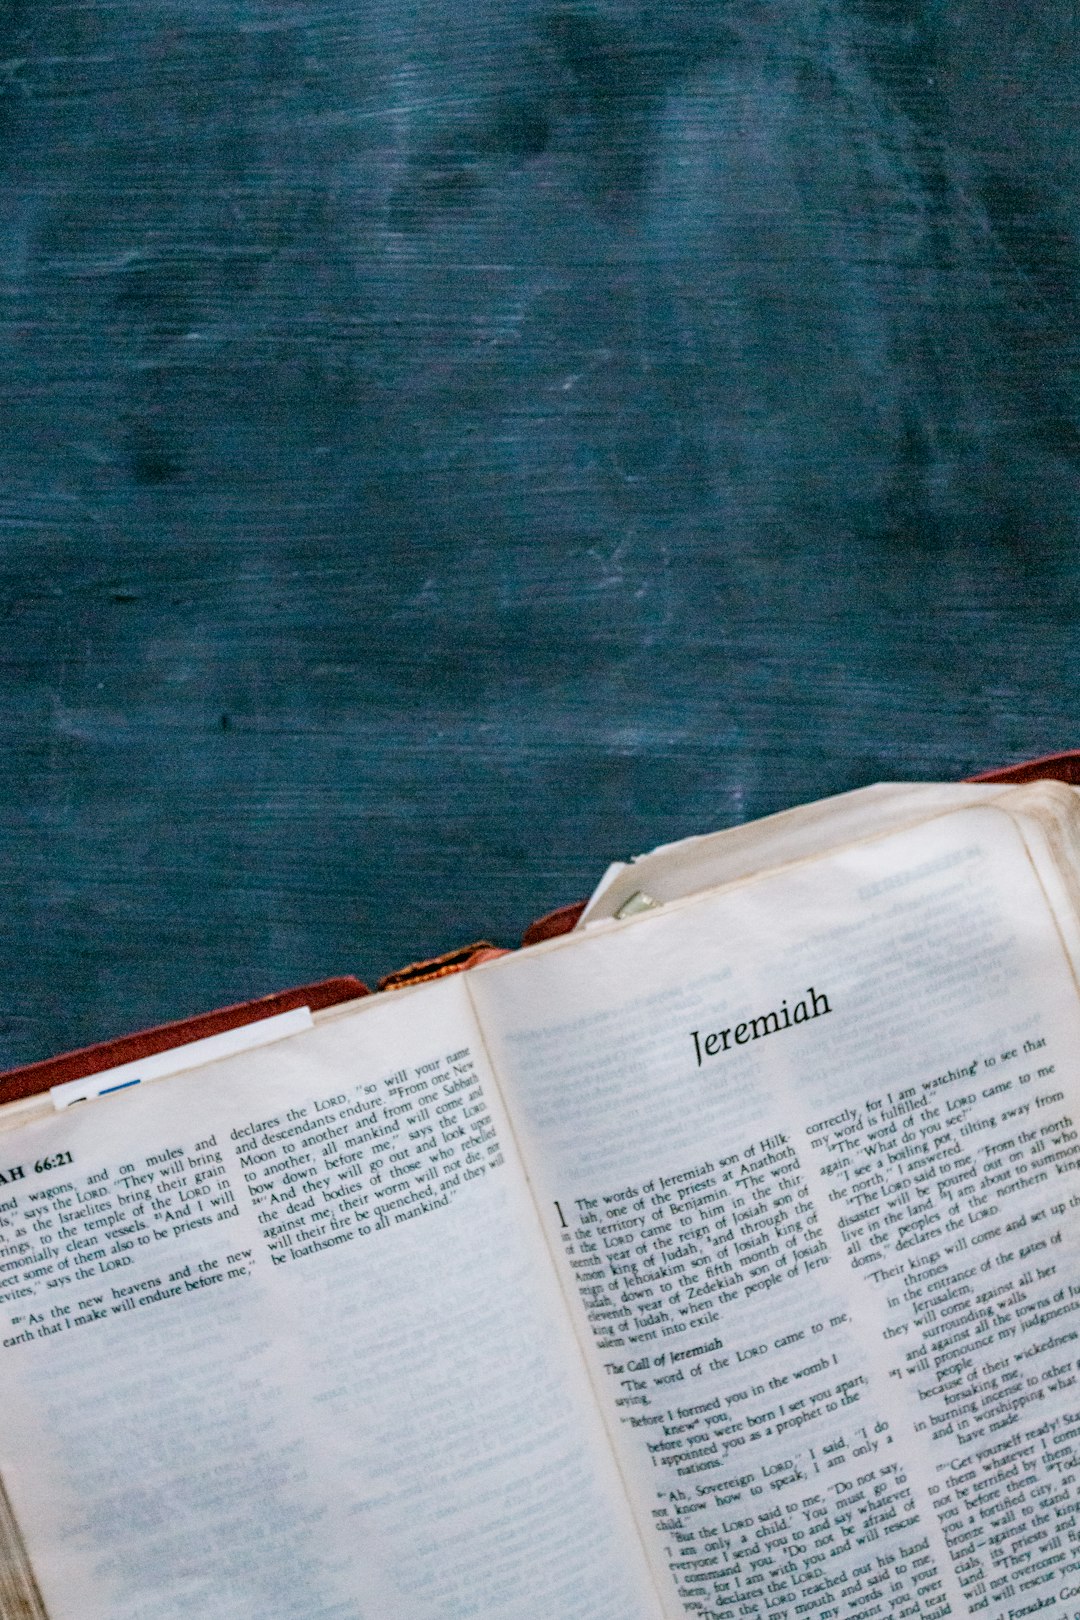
178, 1058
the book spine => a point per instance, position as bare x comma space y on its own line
20, 1596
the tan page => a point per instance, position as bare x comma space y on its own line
807, 1150
709, 860
281, 1341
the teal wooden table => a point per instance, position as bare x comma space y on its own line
446, 448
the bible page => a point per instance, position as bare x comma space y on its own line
805, 1149
281, 1341
707, 860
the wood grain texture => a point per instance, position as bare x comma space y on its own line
446, 447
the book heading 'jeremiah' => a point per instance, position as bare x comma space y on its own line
812, 1006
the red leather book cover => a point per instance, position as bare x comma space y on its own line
1059, 767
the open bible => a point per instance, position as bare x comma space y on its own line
719, 1258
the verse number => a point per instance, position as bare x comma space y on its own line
54, 1162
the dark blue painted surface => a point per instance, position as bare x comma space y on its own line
447, 446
